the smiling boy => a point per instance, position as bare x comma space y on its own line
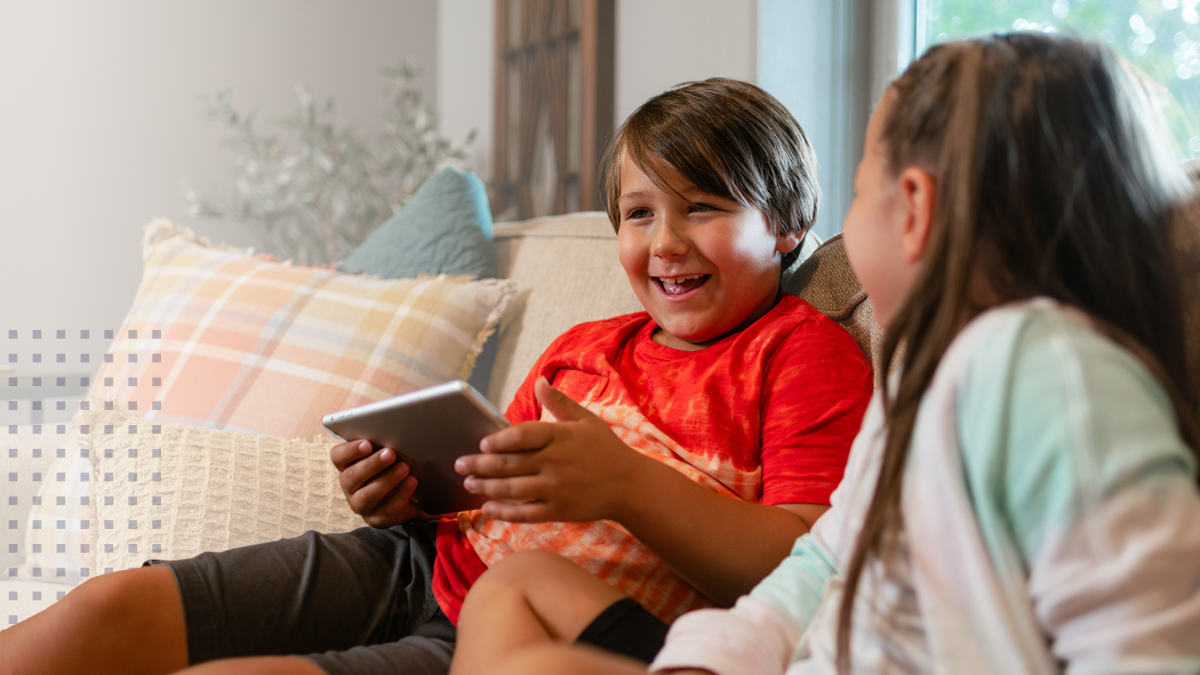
675, 453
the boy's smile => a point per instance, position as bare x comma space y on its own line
703, 266
676, 286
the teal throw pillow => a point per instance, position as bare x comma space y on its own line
446, 228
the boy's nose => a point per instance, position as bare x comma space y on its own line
668, 242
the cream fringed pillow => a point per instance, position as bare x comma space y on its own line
173, 491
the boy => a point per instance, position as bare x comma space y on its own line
690, 443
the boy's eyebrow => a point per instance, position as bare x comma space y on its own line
693, 194
631, 195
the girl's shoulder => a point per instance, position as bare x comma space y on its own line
1056, 416
1053, 356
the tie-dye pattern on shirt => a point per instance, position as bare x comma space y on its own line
764, 415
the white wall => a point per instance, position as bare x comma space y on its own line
661, 43
466, 39
100, 126
828, 62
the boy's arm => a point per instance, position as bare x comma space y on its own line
578, 470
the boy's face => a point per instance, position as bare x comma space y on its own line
702, 266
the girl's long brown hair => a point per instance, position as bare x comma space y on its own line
1052, 180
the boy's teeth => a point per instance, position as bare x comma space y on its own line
683, 284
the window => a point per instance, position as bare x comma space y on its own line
1161, 37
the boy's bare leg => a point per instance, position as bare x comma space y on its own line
257, 665
124, 622
529, 599
577, 660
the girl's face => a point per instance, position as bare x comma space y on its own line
702, 266
885, 228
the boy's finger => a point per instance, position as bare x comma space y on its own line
521, 488
529, 512
496, 465
563, 407
372, 478
396, 507
519, 437
376, 497
344, 454
357, 473
391, 507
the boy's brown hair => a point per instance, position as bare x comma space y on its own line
726, 138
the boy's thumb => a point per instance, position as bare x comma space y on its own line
559, 404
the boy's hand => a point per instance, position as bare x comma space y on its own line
376, 486
572, 470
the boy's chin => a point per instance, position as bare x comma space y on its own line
686, 339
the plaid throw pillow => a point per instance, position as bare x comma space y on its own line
222, 339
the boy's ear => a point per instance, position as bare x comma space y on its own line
918, 200
786, 243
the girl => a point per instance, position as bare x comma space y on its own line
1022, 497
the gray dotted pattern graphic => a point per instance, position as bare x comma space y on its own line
41, 549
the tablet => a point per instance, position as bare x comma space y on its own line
429, 429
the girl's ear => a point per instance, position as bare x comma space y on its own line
788, 242
918, 201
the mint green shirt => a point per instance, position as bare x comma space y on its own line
1051, 523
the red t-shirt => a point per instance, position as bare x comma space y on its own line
764, 415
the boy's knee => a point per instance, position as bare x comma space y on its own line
561, 658
516, 573
110, 599
525, 567
542, 659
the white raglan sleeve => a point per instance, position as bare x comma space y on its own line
760, 633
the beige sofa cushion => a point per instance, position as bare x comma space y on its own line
826, 281
173, 491
566, 272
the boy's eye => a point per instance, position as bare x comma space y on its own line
700, 208
634, 214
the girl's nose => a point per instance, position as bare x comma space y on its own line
668, 241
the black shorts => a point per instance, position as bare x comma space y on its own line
356, 602
625, 627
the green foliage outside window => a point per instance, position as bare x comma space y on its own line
1161, 37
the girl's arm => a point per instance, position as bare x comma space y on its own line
764, 628
760, 633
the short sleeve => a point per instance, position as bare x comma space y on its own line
816, 386
524, 406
